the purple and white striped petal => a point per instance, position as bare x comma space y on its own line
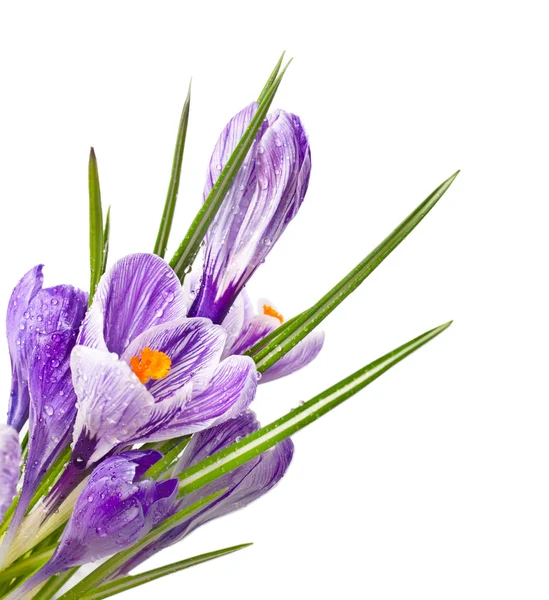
264, 198
194, 347
140, 291
112, 404
10, 463
239, 315
230, 391
24, 292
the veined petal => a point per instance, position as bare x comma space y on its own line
194, 347
253, 332
297, 358
114, 510
230, 391
24, 292
252, 221
238, 317
10, 463
137, 293
112, 403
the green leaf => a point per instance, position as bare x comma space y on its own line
54, 584
50, 477
106, 239
169, 456
27, 566
115, 562
127, 583
251, 446
271, 80
187, 251
96, 225
270, 350
173, 188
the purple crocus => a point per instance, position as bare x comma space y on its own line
246, 327
264, 197
243, 485
18, 344
116, 508
144, 372
33, 313
10, 463
48, 330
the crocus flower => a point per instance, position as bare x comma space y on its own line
51, 323
144, 372
264, 197
246, 327
243, 485
10, 463
115, 510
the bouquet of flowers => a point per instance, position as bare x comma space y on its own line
129, 421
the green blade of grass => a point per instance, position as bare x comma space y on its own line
173, 189
54, 584
187, 251
271, 349
271, 80
96, 224
127, 583
258, 442
106, 239
111, 565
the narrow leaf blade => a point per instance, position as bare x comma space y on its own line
271, 80
106, 240
127, 583
173, 189
96, 224
267, 352
251, 446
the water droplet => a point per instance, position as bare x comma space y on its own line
48, 409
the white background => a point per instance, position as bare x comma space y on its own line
431, 483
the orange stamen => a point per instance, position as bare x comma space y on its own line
271, 312
150, 364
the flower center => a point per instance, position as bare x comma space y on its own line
271, 312
150, 364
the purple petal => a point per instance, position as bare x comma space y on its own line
113, 511
194, 347
24, 292
254, 217
238, 317
137, 293
10, 463
230, 391
254, 332
297, 358
112, 404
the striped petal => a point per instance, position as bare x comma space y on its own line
140, 291
230, 391
267, 194
194, 347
